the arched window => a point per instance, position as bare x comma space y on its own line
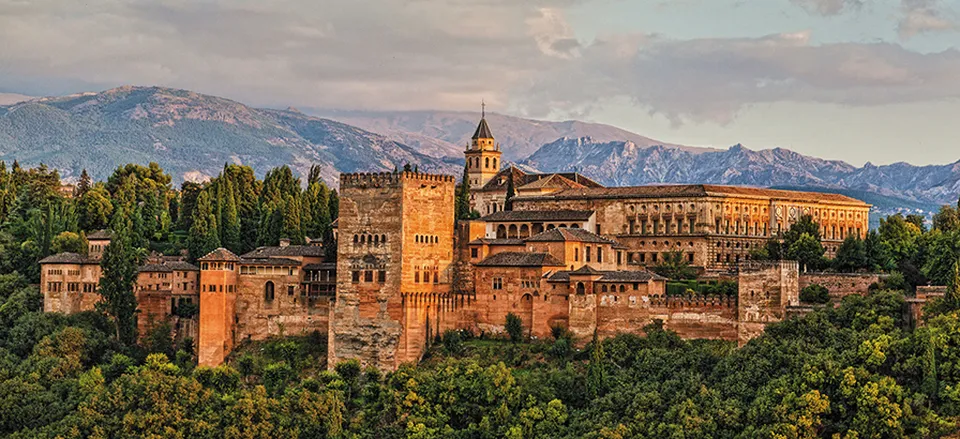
376, 239
604, 288
576, 254
580, 288
383, 239
495, 164
356, 239
486, 162
501, 231
363, 239
268, 291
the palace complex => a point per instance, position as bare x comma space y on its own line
563, 251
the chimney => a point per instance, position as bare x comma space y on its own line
284, 242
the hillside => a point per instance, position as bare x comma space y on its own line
627, 163
446, 133
190, 135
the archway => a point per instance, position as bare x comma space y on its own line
524, 231
581, 289
501, 231
512, 231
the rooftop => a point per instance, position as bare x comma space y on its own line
520, 259
524, 180
563, 234
538, 215
483, 130
99, 235
695, 190
220, 254
268, 261
68, 258
497, 241
287, 250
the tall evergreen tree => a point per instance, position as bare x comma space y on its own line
462, 206
292, 228
203, 237
508, 201
118, 279
83, 185
230, 228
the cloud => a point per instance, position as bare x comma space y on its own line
519, 56
923, 16
713, 79
829, 7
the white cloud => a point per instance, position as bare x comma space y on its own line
829, 7
440, 54
923, 16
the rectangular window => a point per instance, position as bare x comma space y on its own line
290, 290
355, 276
416, 276
368, 276
498, 283
381, 276
653, 257
588, 253
599, 254
474, 252
643, 258
436, 277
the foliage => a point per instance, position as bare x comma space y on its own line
815, 293
514, 327
673, 265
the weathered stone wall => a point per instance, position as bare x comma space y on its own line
154, 309
289, 313
411, 214
520, 293
57, 281
840, 285
765, 290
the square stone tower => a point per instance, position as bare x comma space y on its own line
395, 251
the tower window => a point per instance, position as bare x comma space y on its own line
268, 292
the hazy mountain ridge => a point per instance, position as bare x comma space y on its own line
446, 133
625, 163
190, 135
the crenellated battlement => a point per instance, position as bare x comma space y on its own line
382, 179
755, 266
693, 301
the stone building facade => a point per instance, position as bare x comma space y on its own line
70, 283
571, 254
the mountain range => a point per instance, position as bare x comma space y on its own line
192, 135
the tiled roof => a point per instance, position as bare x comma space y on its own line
289, 250
220, 254
563, 234
609, 276
520, 259
68, 258
181, 266
268, 261
551, 181
483, 131
99, 235
694, 190
155, 268
538, 215
499, 241
523, 179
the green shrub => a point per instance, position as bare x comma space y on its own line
815, 293
514, 327
452, 342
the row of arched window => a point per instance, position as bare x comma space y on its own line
368, 239
426, 239
474, 162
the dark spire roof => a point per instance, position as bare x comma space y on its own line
483, 131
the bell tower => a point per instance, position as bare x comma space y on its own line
483, 154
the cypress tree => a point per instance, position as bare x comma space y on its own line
508, 201
230, 229
463, 197
83, 185
119, 264
203, 237
292, 228
334, 205
595, 370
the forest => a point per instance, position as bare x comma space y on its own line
858, 370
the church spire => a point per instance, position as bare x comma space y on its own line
483, 130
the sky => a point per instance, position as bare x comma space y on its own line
855, 80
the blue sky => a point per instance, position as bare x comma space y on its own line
857, 80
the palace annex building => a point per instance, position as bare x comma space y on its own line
563, 251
